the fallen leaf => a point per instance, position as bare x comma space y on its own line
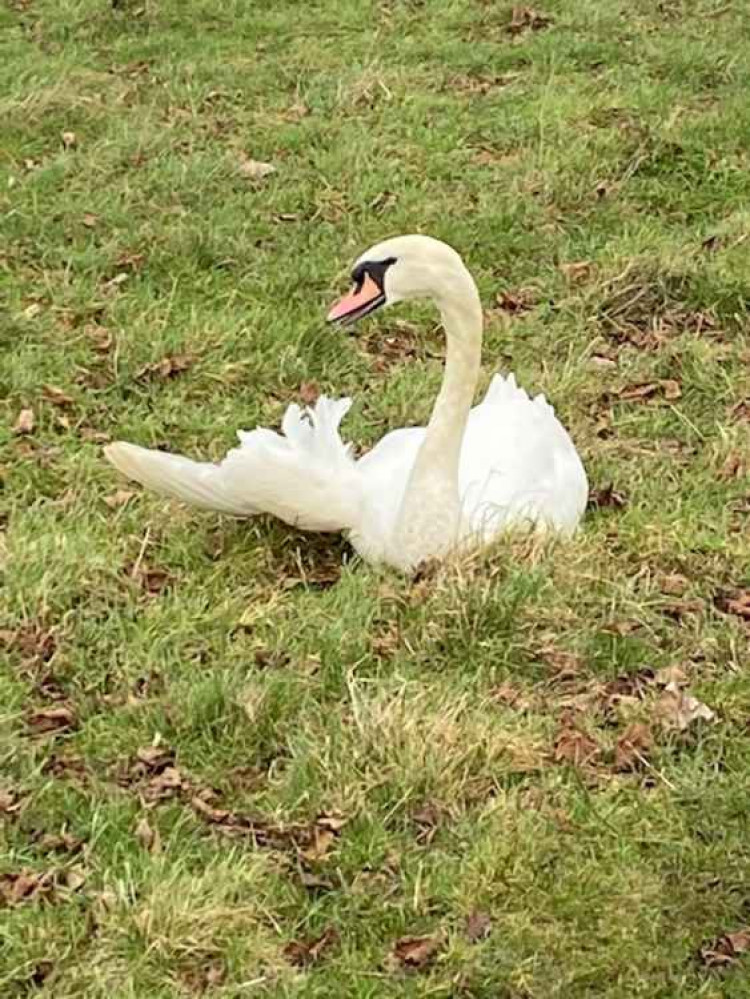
56, 719
602, 361
147, 836
740, 411
166, 784
155, 758
733, 467
478, 926
427, 819
152, 580
286, 217
309, 392
64, 842
670, 674
512, 695
574, 746
56, 396
416, 952
725, 950
11, 802
119, 498
576, 271
516, 302
668, 388
606, 497
674, 584
25, 885
90, 220
736, 603
69, 140
320, 846
302, 953
74, 878
255, 169
167, 367
678, 709
25, 422
527, 19
633, 746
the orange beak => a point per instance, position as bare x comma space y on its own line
363, 299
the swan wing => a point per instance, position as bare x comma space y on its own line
305, 476
518, 464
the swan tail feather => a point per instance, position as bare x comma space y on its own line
305, 476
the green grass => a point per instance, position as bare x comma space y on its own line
425, 714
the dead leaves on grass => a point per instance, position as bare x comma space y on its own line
735, 602
725, 950
25, 423
415, 953
57, 719
303, 953
169, 366
666, 389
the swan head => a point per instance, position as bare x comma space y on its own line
399, 269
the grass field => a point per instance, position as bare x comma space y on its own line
236, 761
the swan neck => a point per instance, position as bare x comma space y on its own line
430, 514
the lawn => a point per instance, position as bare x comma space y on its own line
234, 759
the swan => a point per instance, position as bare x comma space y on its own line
421, 492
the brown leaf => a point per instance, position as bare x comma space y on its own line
69, 140
736, 602
574, 746
11, 802
74, 878
155, 758
59, 718
740, 411
164, 785
633, 746
577, 271
527, 19
56, 396
478, 926
167, 367
90, 220
667, 388
512, 695
427, 819
725, 950
670, 674
63, 842
416, 952
515, 302
255, 169
309, 392
25, 422
148, 836
733, 467
119, 498
302, 953
678, 709
674, 584
606, 496
152, 581
15, 888
321, 842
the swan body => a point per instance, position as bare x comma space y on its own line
421, 491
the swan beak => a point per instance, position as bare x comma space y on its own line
365, 298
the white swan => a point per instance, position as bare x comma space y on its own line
421, 491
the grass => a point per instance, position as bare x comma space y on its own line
230, 766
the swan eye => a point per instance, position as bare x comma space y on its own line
373, 268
